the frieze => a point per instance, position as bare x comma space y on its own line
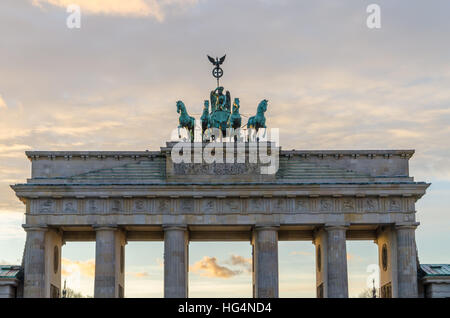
325, 205
94, 206
348, 205
140, 206
278, 204
47, 206
225, 205
256, 205
231, 205
215, 168
208, 205
116, 206
186, 205
370, 204
70, 206
163, 205
302, 205
394, 204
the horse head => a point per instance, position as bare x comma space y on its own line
180, 106
262, 107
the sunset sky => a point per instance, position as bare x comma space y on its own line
331, 82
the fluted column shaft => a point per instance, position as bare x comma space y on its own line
265, 258
175, 262
407, 261
34, 263
109, 271
337, 281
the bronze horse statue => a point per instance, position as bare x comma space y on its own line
259, 120
185, 120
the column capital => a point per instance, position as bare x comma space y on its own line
401, 226
336, 226
35, 227
176, 227
105, 227
265, 227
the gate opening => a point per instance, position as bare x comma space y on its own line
77, 269
144, 270
220, 269
297, 275
363, 269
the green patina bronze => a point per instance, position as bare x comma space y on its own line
259, 120
205, 117
235, 118
185, 120
220, 110
223, 116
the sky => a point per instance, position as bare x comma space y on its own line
331, 82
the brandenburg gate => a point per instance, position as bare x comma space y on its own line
221, 191
326, 197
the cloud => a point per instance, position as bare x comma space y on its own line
302, 253
241, 261
2, 103
11, 225
208, 267
131, 8
160, 262
354, 258
139, 274
75, 268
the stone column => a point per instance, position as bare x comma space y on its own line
406, 261
337, 280
320, 241
265, 261
109, 262
34, 262
175, 262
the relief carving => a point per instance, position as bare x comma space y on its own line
256, 204
93, 206
187, 205
47, 206
348, 205
301, 205
116, 206
326, 205
394, 205
70, 206
139, 205
232, 205
370, 205
164, 205
215, 168
278, 205
208, 205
